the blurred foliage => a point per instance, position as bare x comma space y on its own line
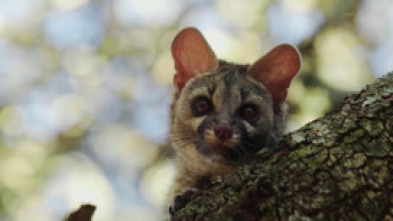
85, 88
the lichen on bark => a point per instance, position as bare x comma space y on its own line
339, 167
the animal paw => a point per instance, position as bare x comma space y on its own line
180, 200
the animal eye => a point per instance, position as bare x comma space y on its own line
248, 112
201, 106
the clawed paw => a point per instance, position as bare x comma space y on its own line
180, 200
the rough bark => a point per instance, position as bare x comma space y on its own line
339, 167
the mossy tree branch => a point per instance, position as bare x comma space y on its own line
339, 167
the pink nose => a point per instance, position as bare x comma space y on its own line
223, 131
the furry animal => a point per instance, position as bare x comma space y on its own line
223, 113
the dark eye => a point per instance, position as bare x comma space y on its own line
248, 112
201, 106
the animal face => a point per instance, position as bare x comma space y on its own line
225, 115
223, 111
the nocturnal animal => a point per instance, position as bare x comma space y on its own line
223, 113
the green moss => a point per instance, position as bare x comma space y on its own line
358, 133
348, 140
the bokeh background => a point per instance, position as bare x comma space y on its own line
85, 87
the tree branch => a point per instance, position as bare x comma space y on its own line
84, 213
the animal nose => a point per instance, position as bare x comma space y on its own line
223, 131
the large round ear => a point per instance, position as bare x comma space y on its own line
192, 55
276, 70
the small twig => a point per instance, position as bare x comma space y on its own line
84, 213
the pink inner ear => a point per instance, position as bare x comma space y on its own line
276, 70
192, 55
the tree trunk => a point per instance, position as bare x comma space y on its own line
339, 167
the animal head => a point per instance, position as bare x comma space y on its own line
226, 111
